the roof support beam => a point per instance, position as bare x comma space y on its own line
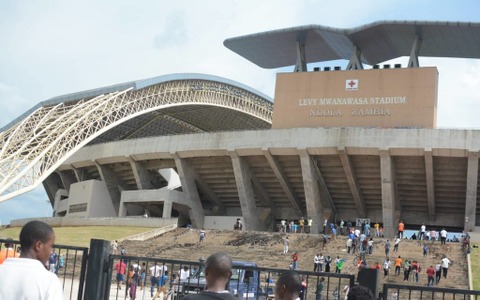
301, 64
142, 176
287, 187
107, 174
269, 218
471, 197
68, 178
187, 178
430, 180
245, 193
352, 182
219, 207
413, 61
355, 62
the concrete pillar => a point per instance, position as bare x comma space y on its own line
141, 174
430, 184
313, 202
108, 176
245, 193
187, 178
167, 210
388, 193
471, 199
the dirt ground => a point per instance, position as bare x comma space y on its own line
266, 249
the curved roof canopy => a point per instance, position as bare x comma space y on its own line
377, 42
36, 144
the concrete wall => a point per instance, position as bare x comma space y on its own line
221, 222
86, 221
150, 234
93, 194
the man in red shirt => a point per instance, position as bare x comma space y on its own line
431, 275
120, 269
295, 260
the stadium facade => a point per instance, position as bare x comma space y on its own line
339, 144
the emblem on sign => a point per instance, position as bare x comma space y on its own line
351, 84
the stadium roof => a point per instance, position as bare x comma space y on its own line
134, 85
378, 42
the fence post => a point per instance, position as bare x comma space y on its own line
97, 274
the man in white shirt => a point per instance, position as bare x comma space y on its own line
445, 263
286, 242
443, 237
315, 262
386, 267
155, 274
283, 223
26, 277
422, 232
184, 273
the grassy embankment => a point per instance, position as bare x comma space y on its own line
475, 260
80, 236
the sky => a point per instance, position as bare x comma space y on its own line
52, 48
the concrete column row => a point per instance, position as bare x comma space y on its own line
318, 202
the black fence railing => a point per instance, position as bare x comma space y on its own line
70, 267
186, 277
400, 292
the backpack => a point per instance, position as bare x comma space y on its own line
61, 262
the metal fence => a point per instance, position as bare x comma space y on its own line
400, 292
247, 282
70, 267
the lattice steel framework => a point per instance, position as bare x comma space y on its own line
35, 147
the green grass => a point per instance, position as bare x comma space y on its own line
80, 236
475, 260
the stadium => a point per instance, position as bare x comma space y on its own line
333, 144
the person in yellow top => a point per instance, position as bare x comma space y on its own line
8, 251
401, 227
302, 224
377, 229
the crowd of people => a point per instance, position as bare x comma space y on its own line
360, 243
36, 249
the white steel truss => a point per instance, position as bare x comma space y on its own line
33, 149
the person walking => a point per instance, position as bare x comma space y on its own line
401, 228
387, 248
295, 260
286, 242
386, 267
431, 276
396, 243
438, 272
320, 285
443, 237
201, 236
398, 265
406, 270
445, 264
